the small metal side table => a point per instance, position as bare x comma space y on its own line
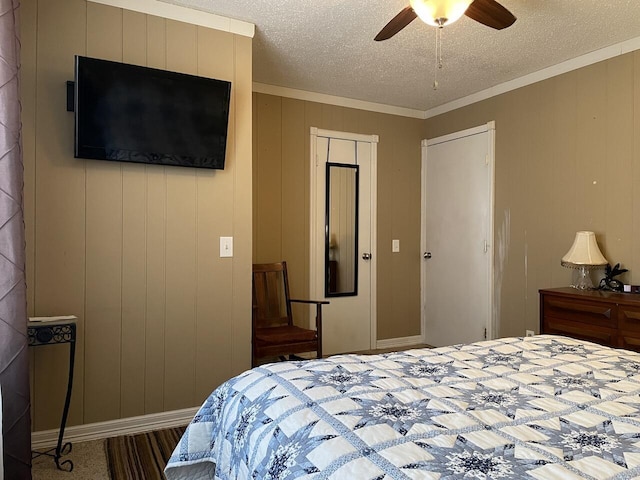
52, 332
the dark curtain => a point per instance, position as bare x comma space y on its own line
14, 361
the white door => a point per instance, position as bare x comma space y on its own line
342, 245
457, 230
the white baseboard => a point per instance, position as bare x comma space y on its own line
113, 428
399, 342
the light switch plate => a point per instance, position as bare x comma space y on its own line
395, 246
226, 246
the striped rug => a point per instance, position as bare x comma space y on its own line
143, 456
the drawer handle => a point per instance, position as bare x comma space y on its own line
576, 307
631, 315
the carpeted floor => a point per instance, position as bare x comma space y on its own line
129, 457
143, 456
89, 463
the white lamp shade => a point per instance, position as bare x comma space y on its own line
430, 11
584, 251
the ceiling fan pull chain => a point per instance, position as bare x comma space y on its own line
438, 57
440, 33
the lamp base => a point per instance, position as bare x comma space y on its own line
583, 279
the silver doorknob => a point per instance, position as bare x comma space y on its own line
366, 256
426, 255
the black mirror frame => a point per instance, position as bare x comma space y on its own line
327, 233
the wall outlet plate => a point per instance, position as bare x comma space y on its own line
529, 333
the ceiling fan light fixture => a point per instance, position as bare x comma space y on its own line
440, 12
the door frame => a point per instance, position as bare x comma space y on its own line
490, 128
313, 191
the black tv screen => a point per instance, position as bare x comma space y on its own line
138, 114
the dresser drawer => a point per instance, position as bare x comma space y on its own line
607, 318
590, 333
581, 311
629, 341
629, 317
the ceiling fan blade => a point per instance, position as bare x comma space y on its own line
397, 23
490, 13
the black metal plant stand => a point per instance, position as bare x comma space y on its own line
51, 333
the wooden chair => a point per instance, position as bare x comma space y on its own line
273, 332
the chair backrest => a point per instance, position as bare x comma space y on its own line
271, 305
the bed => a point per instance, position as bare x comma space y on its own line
543, 407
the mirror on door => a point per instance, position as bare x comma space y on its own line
341, 230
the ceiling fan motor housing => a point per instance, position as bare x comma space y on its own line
444, 12
440, 12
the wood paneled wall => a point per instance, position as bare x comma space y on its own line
567, 159
281, 128
132, 250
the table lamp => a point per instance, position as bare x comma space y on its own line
584, 255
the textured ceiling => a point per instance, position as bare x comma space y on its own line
326, 46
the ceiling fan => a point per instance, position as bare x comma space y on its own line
444, 12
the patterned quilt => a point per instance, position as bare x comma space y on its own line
544, 407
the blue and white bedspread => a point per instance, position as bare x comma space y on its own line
543, 407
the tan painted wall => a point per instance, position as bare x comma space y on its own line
281, 198
567, 159
132, 250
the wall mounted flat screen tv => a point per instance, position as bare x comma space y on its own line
137, 114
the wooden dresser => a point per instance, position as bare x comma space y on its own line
607, 318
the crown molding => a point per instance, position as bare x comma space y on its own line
544, 74
184, 14
334, 100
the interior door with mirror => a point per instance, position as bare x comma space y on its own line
342, 244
